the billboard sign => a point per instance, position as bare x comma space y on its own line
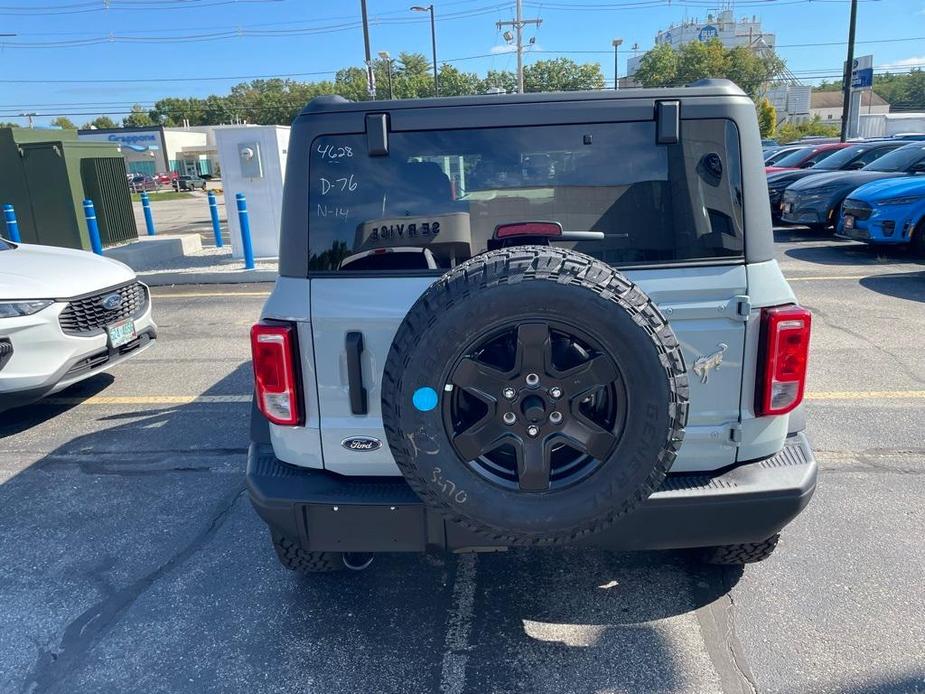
862, 72
708, 32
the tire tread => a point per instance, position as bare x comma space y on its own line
544, 263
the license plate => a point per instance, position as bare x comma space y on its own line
121, 332
849, 221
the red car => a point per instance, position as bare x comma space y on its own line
166, 178
806, 158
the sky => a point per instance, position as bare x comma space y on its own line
69, 56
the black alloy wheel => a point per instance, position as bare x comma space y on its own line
536, 406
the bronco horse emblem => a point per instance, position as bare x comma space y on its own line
709, 361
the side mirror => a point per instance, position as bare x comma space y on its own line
918, 167
808, 165
855, 165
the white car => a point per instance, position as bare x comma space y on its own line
65, 315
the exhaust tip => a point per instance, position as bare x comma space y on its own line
357, 561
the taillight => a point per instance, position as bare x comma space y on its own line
785, 349
273, 348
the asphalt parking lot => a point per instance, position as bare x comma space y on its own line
132, 560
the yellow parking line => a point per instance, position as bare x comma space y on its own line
192, 295
910, 275
819, 278
229, 399
867, 395
148, 399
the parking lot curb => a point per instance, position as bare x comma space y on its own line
161, 279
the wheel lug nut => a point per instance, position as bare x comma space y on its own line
509, 418
532, 380
555, 417
555, 392
509, 393
533, 430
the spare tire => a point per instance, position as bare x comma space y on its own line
534, 395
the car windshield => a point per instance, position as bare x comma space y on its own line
843, 157
801, 156
901, 159
608, 189
4, 246
776, 157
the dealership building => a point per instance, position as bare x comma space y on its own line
154, 149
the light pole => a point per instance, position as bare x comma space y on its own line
616, 70
384, 55
433, 41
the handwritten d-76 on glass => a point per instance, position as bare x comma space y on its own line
586, 339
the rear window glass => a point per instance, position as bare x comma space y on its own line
612, 192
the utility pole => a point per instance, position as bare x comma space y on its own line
29, 117
370, 74
519, 23
616, 69
849, 65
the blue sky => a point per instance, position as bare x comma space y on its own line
895, 30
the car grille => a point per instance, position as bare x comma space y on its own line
858, 210
87, 316
6, 351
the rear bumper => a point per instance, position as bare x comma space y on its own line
329, 512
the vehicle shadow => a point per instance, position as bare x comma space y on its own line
796, 234
850, 253
21, 419
906, 683
133, 562
902, 285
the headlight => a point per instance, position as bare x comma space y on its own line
907, 200
12, 309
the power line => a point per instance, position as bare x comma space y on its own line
237, 32
108, 5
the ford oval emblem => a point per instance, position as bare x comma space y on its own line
111, 301
361, 443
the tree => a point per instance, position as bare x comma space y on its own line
904, 91
499, 79
767, 118
788, 132
101, 122
562, 75
8, 124
454, 82
64, 123
138, 118
664, 66
658, 67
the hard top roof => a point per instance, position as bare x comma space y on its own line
333, 103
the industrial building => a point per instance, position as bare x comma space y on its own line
730, 31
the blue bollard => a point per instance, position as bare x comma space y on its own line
12, 226
245, 232
92, 227
149, 218
216, 226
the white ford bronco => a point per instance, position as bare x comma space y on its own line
528, 320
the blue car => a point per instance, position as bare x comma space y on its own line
890, 211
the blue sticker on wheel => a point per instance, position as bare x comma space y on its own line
424, 399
